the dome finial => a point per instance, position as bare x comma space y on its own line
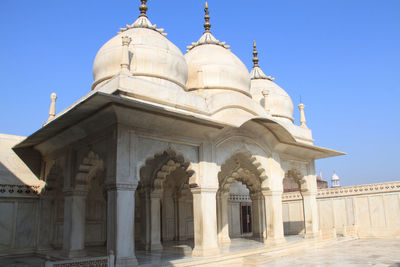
255, 53
52, 111
143, 8
301, 107
207, 24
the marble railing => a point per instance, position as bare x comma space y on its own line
106, 261
14, 190
239, 198
348, 191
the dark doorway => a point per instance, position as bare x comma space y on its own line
245, 218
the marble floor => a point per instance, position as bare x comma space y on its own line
359, 252
355, 252
182, 250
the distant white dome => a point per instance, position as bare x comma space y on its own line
335, 181
211, 65
151, 55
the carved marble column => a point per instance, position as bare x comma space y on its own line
145, 218
205, 221
273, 217
182, 235
310, 208
155, 201
74, 222
223, 220
258, 215
120, 223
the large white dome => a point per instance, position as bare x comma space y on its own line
151, 55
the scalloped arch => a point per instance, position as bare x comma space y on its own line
298, 177
244, 167
91, 166
161, 164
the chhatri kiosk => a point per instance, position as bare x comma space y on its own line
152, 153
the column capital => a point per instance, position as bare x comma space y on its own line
308, 193
156, 194
222, 194
200, 190
121, 187
271, 193
76, 192
256, 196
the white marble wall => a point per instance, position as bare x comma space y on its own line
366, 210
293, 217
18, 225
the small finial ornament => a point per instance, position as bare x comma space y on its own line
255, 54
143, 8
126, 40
52, 111
265, 93
207, 24
301, 107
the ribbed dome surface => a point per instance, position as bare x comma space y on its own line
211, 65
279, 102
151, 55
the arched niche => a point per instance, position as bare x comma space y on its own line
164, 200
241, 167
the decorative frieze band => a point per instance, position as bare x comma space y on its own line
19, 190
239, 198
348, 191
291, 196
359, 190
107, 261
121, 187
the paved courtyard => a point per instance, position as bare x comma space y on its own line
360, 252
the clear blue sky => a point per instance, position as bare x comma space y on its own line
342, 57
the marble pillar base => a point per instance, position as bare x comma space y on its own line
258, 235
80, 253
314, 235
224, 240
142, 246
156, 247
126, 262
274, 241
201, 252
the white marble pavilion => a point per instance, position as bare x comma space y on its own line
167, 147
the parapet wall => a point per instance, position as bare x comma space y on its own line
371, 210
18, 222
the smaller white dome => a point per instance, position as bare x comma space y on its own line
211, 65
280, 104
335, 177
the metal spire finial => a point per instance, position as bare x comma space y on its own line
207, 24
143, 8
255, 53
